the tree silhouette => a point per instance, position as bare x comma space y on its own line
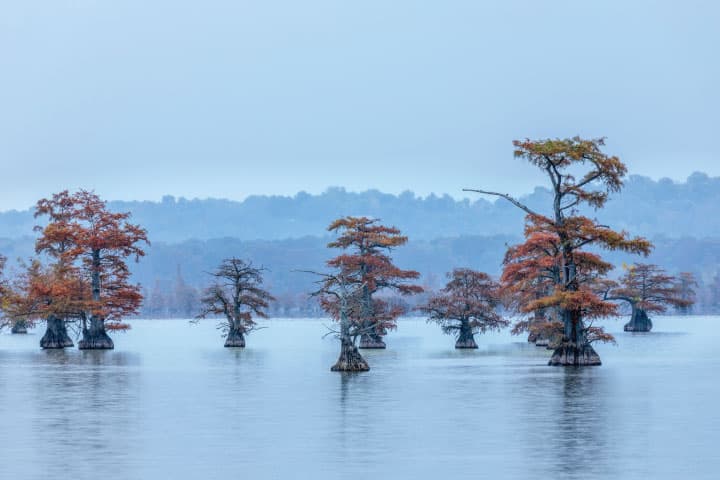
237, 294
466, 306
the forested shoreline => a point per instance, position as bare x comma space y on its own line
653, 208
172, 275
558, 279
189, 237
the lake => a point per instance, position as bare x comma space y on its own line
171, 402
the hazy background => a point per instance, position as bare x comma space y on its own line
243, 128
289, 233
140, 99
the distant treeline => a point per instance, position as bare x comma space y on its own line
285, 234
644, 206
173, 274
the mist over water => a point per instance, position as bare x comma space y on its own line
171, 402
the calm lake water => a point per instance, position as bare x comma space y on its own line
171, 402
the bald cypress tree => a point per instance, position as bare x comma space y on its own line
647, 289
579, 173
369, 264
237, 295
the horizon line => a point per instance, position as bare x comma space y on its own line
460, 197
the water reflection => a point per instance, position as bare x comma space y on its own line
350, 383
189, 408
88, 409
54, 356
352, 416
580, 437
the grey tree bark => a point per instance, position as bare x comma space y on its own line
372, 340
56, 335
568, 354
465, 339
540, 317
19, 327
235, 337
639, 321
350, 359
574, 349
95, 337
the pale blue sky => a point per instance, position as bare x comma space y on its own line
137, 99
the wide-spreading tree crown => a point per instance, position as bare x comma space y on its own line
650, 288
368, 265
552, 269
469, 296
86, 239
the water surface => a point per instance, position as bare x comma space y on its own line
171, 402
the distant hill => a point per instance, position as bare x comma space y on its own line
169, 267
644, 207
284, 234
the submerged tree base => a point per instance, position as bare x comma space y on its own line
465, 338
568, 354
639, 322
18, 328
56, 335
96, 341
235, 338
466, 343
350, 360
370, 341
538, 339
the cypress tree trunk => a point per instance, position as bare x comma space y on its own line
466, 339
350, 359
19, 327
95, 337
372, 340
56, 335
639, 321
574, 350
568, 354
538, 317
541, 341
235, 337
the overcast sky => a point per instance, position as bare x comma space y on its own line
137, 99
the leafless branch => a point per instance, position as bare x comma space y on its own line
506, 197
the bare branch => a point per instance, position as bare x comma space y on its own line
506, 197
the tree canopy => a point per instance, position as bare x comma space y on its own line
555, 250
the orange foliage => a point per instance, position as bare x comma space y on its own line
650, 288
370, 268
551, 270
469, 297
89, 275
